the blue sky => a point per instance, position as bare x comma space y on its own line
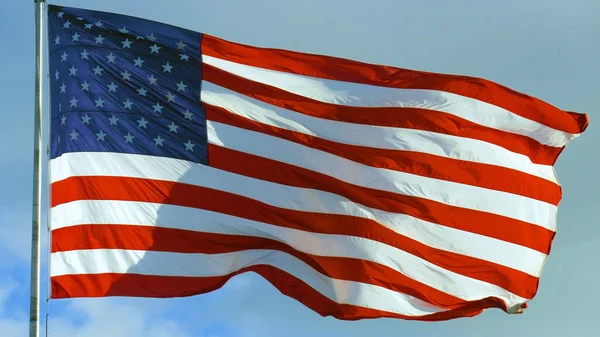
547, 48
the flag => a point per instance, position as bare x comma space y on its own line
179, 160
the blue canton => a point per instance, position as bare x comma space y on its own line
124, 84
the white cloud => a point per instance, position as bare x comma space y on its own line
12, 322
6, 289
13, 327
113, 317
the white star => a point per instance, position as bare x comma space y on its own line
158, 108
60, 14
181, 86
79, 18
154, 49
57, 40
63, 88
63, 120
99, 24
74, 102
158, 141
85, 119
126, 44
180, 45
139, 37
73, 71
112, 87
142, 123
88, 26
151, 37
173, 127
124, 30
56, 75
189, 146
152, 79
187, 114
129, 138
111, 58
126, 75
74, 135
67, 24
170, 97
63, 57
100, 135
127, 104
113, 120
138, 62
75, 37
99, 102
167, 67
99, 39
142, 92
98, 70
85, 86
183, 57
84, 55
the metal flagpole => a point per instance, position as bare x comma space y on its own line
34, 309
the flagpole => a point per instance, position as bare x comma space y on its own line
34, 309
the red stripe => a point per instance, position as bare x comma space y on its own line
145, 190
352, 71
100, 285
487, 224
418, 163
183, 241
410, 118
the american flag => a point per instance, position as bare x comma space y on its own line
179, 160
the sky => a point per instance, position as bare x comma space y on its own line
545, 48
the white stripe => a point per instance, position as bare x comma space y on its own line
329, 245
451, 193
363, 95
113, 164
210, 265
373, 136
300, 199
170, 216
